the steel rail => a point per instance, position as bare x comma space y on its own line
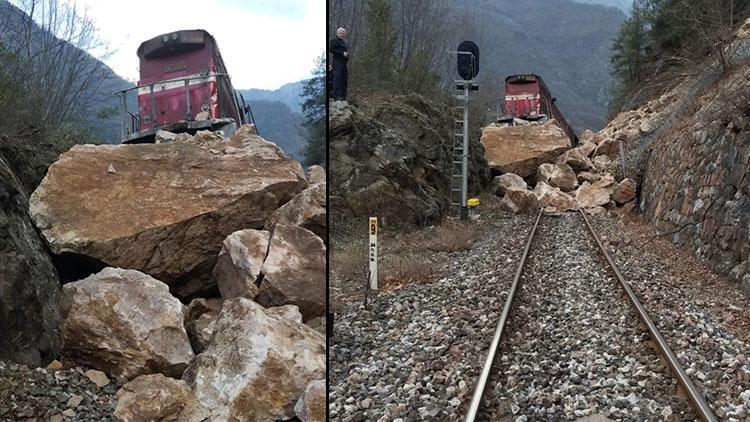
694, 395
482, 382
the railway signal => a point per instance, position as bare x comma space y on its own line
467, 65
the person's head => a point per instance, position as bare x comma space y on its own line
341, 33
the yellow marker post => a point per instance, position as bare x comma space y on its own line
373, 253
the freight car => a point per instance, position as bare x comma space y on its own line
528, 98
184, 86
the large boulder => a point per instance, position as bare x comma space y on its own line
503, 182
590, 195
311, 406
563, 177
624, 191
125, 323
294, 271
162, 209
238, 266
576, 158
257, 366
30, 317
306, 209
552, 197
521, 149
153, 398
517, 200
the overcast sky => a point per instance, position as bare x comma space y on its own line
264, 43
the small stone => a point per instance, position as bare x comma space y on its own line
69, 413
666, 411
111, 169
74, 401
366, 403
56, 418
97, 377
54, 365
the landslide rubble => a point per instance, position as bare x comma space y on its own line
216, 276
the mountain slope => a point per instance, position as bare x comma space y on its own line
288, 94
565, 42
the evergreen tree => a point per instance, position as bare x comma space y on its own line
375, 63
314, 111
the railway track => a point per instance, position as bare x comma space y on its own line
576, 348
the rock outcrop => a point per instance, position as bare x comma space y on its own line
294, 271
167, 207
125, 323
393, 158
30, 317
521, 149
238, 266
257, 365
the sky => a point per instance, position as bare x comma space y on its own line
264, 43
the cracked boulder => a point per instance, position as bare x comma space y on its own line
521, 149
167, 208
257, 366
595, 194
501, 183
517, 200
239, 264
125, 323
563, 177
307, 209
152, 398
553, 198
294, 271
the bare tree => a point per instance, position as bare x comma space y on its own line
47, 47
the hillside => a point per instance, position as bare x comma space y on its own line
288, 94
623, 5
566, 43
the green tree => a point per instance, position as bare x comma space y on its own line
314, 111
374, 64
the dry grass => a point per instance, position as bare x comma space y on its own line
452, 236
400, 271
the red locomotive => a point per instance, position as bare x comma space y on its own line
184, 86
527, 98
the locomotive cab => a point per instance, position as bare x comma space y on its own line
183, 87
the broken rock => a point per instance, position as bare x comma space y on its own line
294, 271
125, 323
152, 398
289, 312
608, 147
307, 209
315, 174
521, 149
507, 180
200, 318
624, 191
563, 177
257, 365
592, 195
238, 266
518, 200
544, 172
168, 208
311, 406
554, 198
576, 158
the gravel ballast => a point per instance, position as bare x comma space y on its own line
417, 353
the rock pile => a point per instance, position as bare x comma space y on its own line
578, 178
192, 218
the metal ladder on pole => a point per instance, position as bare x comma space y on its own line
457, 157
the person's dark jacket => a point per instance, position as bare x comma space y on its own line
338, 48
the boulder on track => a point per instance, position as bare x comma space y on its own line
294, 271
551, 197
563, 177
238, 266
518, 200
125, 323
507, 180
257, 366
590, 195
521, 149
168, 207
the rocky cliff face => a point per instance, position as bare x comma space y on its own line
30, 318
690, 149
696, 183
393, 158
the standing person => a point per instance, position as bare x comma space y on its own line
340, 59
